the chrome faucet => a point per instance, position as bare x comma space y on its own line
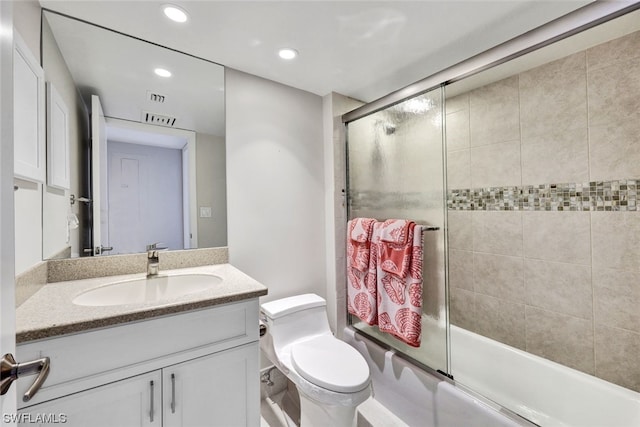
153, 263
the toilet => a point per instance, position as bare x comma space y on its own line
332, 378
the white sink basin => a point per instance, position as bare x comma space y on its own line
156, 289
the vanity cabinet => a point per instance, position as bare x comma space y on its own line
125, 403
199, 368
210, 391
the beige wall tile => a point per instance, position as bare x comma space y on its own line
557, 236
553, 100
614, 93
459, 169
551, 124
616, 239
615, 151
494, 113
564, 339
564, 158
499, 276
456, 103
561, 287
617, 358
496, 165
461, 269
458, 130
463, 312
617, 298
460, 233
500, 320
616, 50
497, 232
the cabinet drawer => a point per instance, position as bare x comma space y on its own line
85, 360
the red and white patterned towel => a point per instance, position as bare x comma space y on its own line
396, 244
399, 280
361, 270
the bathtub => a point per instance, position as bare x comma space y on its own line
418, 398
547, 393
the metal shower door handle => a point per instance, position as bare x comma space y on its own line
11, 371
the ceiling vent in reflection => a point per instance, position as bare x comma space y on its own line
158, 119
155, 97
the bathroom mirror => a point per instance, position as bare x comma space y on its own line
161, 170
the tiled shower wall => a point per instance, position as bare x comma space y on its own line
544, 233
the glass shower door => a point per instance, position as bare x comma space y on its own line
395, 170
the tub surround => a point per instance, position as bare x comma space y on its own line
543, 225
50, 311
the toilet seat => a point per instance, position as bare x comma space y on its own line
331, 364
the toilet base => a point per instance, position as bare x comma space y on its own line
313, 414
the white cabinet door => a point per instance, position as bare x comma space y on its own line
58, 167
29, 117
131, 402
221, 389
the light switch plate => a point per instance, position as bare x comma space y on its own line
205, 211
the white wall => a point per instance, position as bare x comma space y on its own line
28, 200
32, 244
334, 106
275, 184
211, 183
56, 202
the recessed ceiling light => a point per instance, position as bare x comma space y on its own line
287, 53
175, 13
162, 72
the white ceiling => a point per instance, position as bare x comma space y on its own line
363, 49
119, 70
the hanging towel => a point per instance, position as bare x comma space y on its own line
396, 244
399, 282
359, 242
361, 270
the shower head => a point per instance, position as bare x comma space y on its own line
389, 128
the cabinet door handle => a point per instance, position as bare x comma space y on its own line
173, 393
151, 402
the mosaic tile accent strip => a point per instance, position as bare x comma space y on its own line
616, 195
381, 200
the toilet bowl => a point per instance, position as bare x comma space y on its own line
332, 378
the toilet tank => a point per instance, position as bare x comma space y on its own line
290, 319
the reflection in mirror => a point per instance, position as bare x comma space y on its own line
158, 174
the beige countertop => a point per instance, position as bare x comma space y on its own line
50, 311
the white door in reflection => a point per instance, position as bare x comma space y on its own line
144, 186
145, 197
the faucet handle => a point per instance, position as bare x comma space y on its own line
154, 247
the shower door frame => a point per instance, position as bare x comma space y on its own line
575, 22
443, 374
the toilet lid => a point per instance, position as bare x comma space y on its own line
330, 363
